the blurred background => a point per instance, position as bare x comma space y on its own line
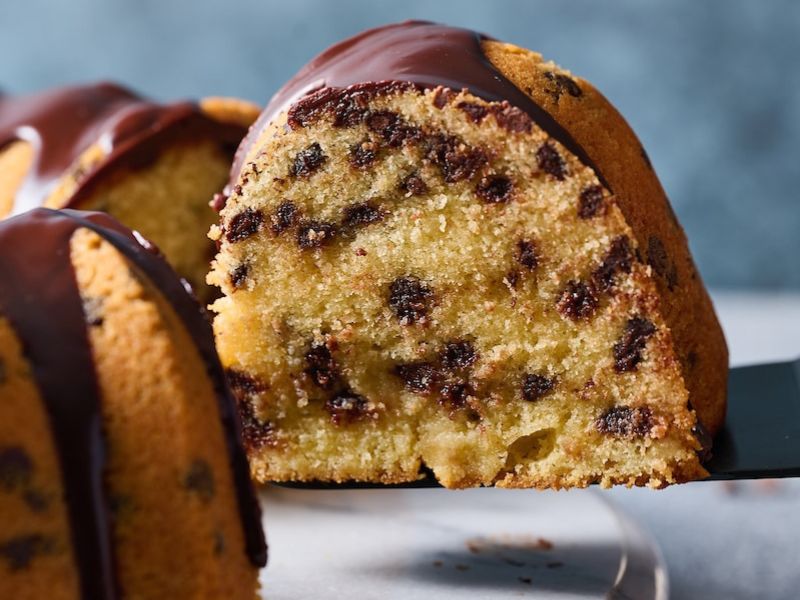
712, 88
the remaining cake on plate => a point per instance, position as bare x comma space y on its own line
441, 251
155, 167
121, 469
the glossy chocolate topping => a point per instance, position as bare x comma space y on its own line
63, 123
425, 54
40, 297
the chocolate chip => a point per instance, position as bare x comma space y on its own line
512, 277
363, 154
495, 189
16, 468
361, 213
591, 202
314, 234
550, 161
243, 384
321, 367
442, 97
476, 112
618, 259
456, 160
625, 421
458, 354
512, 118
350, 110
284, 217
562, 83
18, 552
347, 106
628, 350
419, 377
393, 129
243, 225
534, 386
413, 185
199, 479
577, 301
455, 394
93, 311
526, 254
410, 299
657, 255
36, 500
238, 276
346, 407
307, 161
218, 547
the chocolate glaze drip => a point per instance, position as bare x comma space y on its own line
63, 123
425, 54
40, 297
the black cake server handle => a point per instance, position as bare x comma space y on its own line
760, 438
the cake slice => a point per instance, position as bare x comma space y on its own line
155, 167
122, 473
455, 257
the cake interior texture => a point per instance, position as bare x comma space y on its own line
418, 278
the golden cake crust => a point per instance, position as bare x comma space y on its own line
605, 135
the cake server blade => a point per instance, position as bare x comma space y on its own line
760, 439
761, 436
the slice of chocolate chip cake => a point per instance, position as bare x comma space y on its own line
456, 256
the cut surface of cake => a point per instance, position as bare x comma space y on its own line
154, 167
122, 473
454, 257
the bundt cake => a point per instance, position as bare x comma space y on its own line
441, 253
122, 473
155, 167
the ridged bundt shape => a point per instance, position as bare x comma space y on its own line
121, 469
155, 167
457, 255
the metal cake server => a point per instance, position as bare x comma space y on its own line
760, 439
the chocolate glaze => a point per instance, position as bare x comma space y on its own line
425, 54
63, 123
40, 297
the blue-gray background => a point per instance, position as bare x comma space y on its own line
712, 88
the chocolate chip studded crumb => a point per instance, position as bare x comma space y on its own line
363, 154
591, 202
456, 160
18, 552
458, 354
321, 367
361, 213
246, 388
550, 161
243, 384
625, 421
419, 377
314, 234
495, 190
238, 277
628, 350
526, 254
284, 217
413, 185
410, 299
476, 112
16, 468
618, 259
442, 97
244, 224
307, 161
392, 128
347, 407
93, 311
534, 386
577, 301
199, 479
